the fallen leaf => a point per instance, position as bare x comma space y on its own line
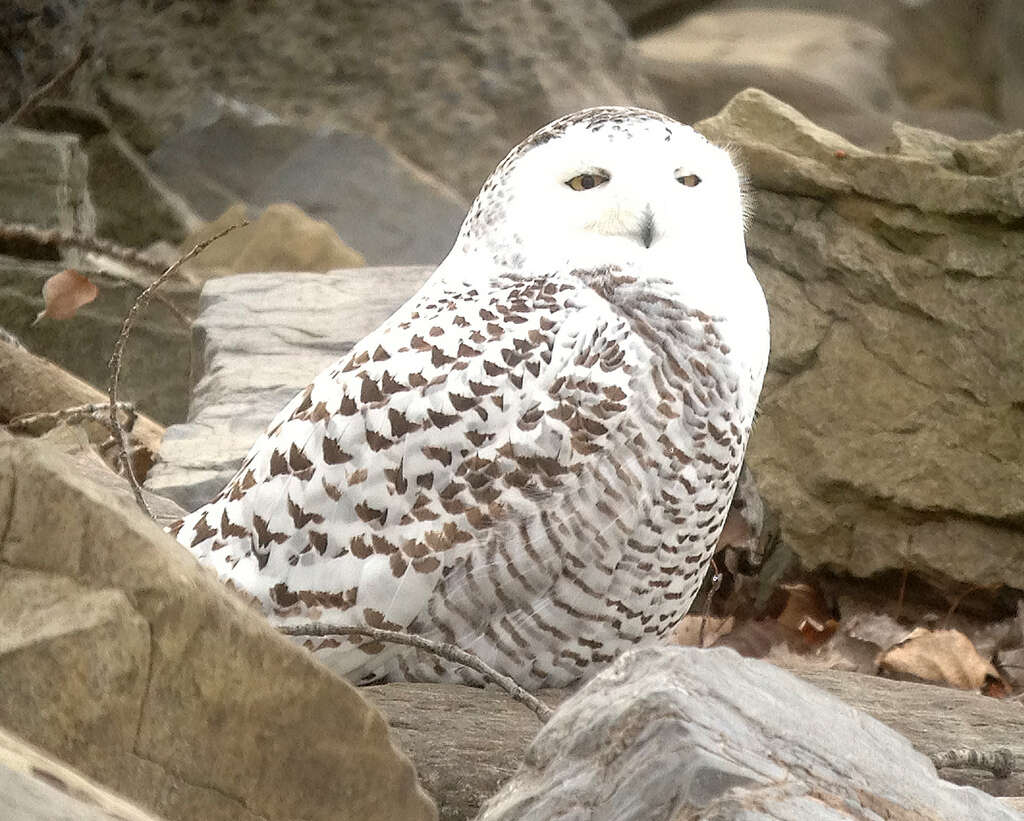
944, 656
64, 294
687, 632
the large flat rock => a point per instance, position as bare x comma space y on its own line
467, 743
258, 340
668, 733
121, 656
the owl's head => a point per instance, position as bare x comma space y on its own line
609, 185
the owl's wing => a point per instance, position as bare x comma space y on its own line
463, 445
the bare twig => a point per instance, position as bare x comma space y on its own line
117, 357
998, 762
76, 414
61, 78
445, 651
12, 231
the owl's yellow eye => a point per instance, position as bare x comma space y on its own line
584, 182
689, 180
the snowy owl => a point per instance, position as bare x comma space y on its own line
534, 456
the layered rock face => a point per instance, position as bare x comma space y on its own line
892, 425
124, 658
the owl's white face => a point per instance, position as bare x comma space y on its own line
621, 186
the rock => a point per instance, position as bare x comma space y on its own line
43, 181
35, 787
124, 658
1001, 43
133, 206
467, 743
155, 374
939, 62
33, 386
892, 279
392, 213
830, 67
259, 340
282, 238
449, 84
672, 732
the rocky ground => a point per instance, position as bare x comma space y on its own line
887, 465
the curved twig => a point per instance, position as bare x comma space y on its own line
74, 414
444, 650
117, 357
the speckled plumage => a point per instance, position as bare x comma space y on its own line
534, 457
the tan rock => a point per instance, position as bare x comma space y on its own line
32, 385
282, 238
891, 433
832, 67
122, 657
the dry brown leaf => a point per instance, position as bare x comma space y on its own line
687, 632
64, 294
944, 656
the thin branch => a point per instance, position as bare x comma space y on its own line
75, 414
15, 232
62, 77
117, 357
999, 762
445, 651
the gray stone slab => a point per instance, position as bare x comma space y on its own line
43, 180
36, 787
378, 203
671, 733
258, 340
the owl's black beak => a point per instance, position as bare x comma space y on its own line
647, 227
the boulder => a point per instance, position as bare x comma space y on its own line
36, 787
282, 238
123, 657
155, 374
259, 339
43, 182
34, 386
831, 67
667, 733
133, 206
467, 743
449, 84
378, 203
940, 61
890, 433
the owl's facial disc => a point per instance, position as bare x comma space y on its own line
609, 186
